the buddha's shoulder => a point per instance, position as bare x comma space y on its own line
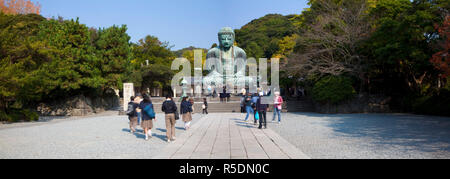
214, 50
238, 49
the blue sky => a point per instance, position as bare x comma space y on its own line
182, 23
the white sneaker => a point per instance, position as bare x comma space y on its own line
146, 137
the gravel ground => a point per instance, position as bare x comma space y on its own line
95, 137
366, 136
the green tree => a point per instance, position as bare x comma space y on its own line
265, 32
19, 59
157, 73
286, 46
333, 89
114, 54
73, 64
399, 48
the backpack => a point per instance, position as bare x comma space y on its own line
149, 111
130, 110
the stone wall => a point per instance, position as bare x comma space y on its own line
78, 106
359, 104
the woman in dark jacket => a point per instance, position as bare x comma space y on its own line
186, 112
147, 121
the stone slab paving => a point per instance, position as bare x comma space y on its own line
366, 136
226, 136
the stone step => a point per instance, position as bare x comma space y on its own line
212, 107
215, 106
300, 106
209, 99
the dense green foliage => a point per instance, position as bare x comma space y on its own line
261, 37
44, 60
151, 64
333, 89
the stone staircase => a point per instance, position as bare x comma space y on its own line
300, 105
233, 106
213, 107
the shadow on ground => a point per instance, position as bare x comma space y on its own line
140, 133
423, 133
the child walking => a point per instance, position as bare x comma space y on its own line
132, 114
186, 113
148, 115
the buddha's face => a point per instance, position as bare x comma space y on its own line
226, 40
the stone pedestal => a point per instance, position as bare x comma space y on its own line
128, 91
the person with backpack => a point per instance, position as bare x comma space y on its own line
148, 115
186, 112
132, 114
170, 109
278, 106
262, 111
205, 106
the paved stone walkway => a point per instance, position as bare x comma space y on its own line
221, 136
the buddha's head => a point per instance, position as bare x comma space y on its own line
226, 37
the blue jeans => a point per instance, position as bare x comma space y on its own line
249, 110
139, 118
276, 111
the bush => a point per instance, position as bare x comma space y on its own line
333, 89
17, 115
437, 104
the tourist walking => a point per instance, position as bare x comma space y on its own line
186, 112
148, 115
277, 107
170, 109
205, 106
243, 92
248, 107
254, 100
262, 110
209, 91
138, 99
242, 103
223, 95
191, 100
132, 114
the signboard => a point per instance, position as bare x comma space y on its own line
128, 91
